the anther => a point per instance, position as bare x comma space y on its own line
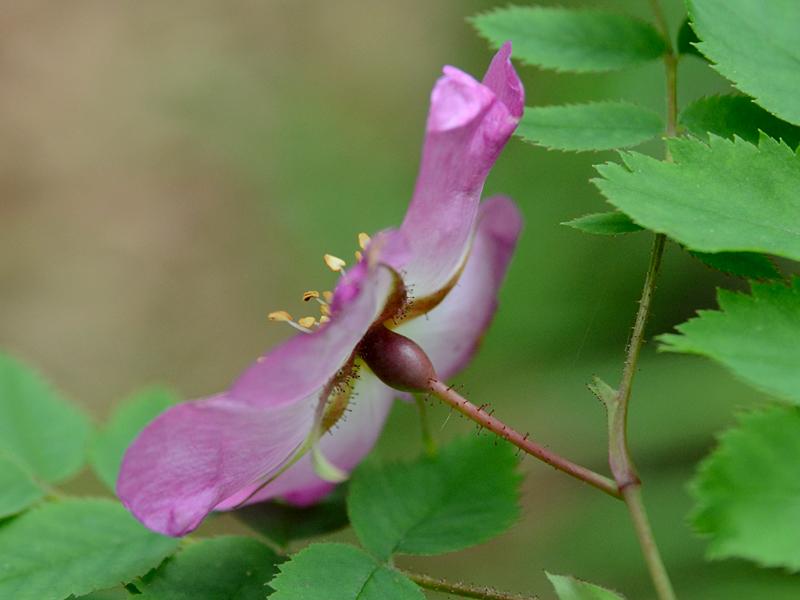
363, 240
334, 262
359, 256
310, 295
306, 322
327, 296
324, 319
279, 315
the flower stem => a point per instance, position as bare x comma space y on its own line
465, 407
462, 589
620, 459
428, 442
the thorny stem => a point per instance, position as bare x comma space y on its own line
462, 589
428, 442
465, 407
619, 455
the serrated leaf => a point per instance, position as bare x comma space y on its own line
39, 431
465, 495
729, 115
740, 264
75, 546
747, 493
756, 336
607, 223
222, 568
593, 126
283, 523
754, 44
18, 490
109, 444
571, 40
687, 39
723, 197
340, 572
570, 588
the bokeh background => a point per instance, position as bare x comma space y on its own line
171, 172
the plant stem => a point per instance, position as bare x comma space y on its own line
465, 407
619, 455
462, 589
428, 442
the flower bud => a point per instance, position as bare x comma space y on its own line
396, 360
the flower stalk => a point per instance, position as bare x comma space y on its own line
462, 589
452, 398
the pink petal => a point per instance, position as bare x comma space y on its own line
451, 332
198, 453
305, 363
469, 123
345, 445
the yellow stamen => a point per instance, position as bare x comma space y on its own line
310, 294
359, 256
328, 296
363, 240
324, 319
324, 309
334, 262
306, 322
279, 315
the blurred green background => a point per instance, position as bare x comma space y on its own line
171, 172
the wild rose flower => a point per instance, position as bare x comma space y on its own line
304, 414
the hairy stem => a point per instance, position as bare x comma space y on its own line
462, 589
465, 407
619, 455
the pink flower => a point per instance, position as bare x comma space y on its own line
311, 406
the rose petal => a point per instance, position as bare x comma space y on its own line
450, 333
469, 123
345, 445
198, 453
306, 362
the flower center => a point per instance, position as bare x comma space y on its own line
307, 324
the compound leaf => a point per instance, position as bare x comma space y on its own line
728, 116
754, 44
465, 495
571, 40
747, 492
340, 572
755, 336
726, 196
222, 568
75, 546
593, 126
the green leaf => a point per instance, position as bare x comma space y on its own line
749, 265
283, 523
43, 435
75, 546
686, 40
608, 223
340, 572
754, 44
723, 197
747, 493
729, 115
593, 126
465, 495
222, 568
569, 588
110, 443
18, 490
756, 337
571, 40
